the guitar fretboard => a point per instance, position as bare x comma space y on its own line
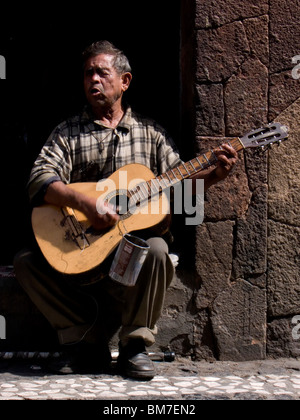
146, 190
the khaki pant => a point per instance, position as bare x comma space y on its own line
95, 312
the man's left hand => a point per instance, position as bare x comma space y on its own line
227, 158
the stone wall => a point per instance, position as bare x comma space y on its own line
245, 290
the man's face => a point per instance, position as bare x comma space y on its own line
103, 86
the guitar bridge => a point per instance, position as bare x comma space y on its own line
74, 230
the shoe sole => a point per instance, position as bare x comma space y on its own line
140, 374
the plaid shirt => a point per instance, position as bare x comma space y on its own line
83, 149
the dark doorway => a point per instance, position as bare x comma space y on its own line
43, 85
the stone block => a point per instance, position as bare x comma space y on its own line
231, 197
284, 34
256, 167
284, 90
246, 98
250, 253
176, 325
284, 171
213, 259
219, 12
283, 269
220, 52
210, 110
280, 338
204, 340
238, 319
257, 31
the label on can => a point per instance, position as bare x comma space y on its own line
129, 260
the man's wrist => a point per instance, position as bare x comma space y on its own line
211, 179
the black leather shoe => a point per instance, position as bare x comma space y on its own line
134, 362
82, 358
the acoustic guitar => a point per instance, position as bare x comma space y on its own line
69, 242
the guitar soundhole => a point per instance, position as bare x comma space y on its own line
120, 200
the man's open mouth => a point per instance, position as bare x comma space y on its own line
96, 91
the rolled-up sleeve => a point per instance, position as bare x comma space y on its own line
52, 164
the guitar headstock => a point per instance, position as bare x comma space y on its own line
265, 136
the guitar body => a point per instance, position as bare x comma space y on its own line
66, 237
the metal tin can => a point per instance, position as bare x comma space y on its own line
129, 259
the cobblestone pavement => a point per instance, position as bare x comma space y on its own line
181, 379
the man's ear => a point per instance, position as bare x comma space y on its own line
126, 79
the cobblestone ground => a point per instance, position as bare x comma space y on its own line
178, 380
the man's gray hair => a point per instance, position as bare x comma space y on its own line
121, 63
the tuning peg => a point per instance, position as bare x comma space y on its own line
261, 150
278, 143
264, 149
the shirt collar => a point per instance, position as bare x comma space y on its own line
125, 123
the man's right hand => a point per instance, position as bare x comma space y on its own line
100, 214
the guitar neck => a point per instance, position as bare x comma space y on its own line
184, 171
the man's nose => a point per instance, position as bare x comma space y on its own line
95, 77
